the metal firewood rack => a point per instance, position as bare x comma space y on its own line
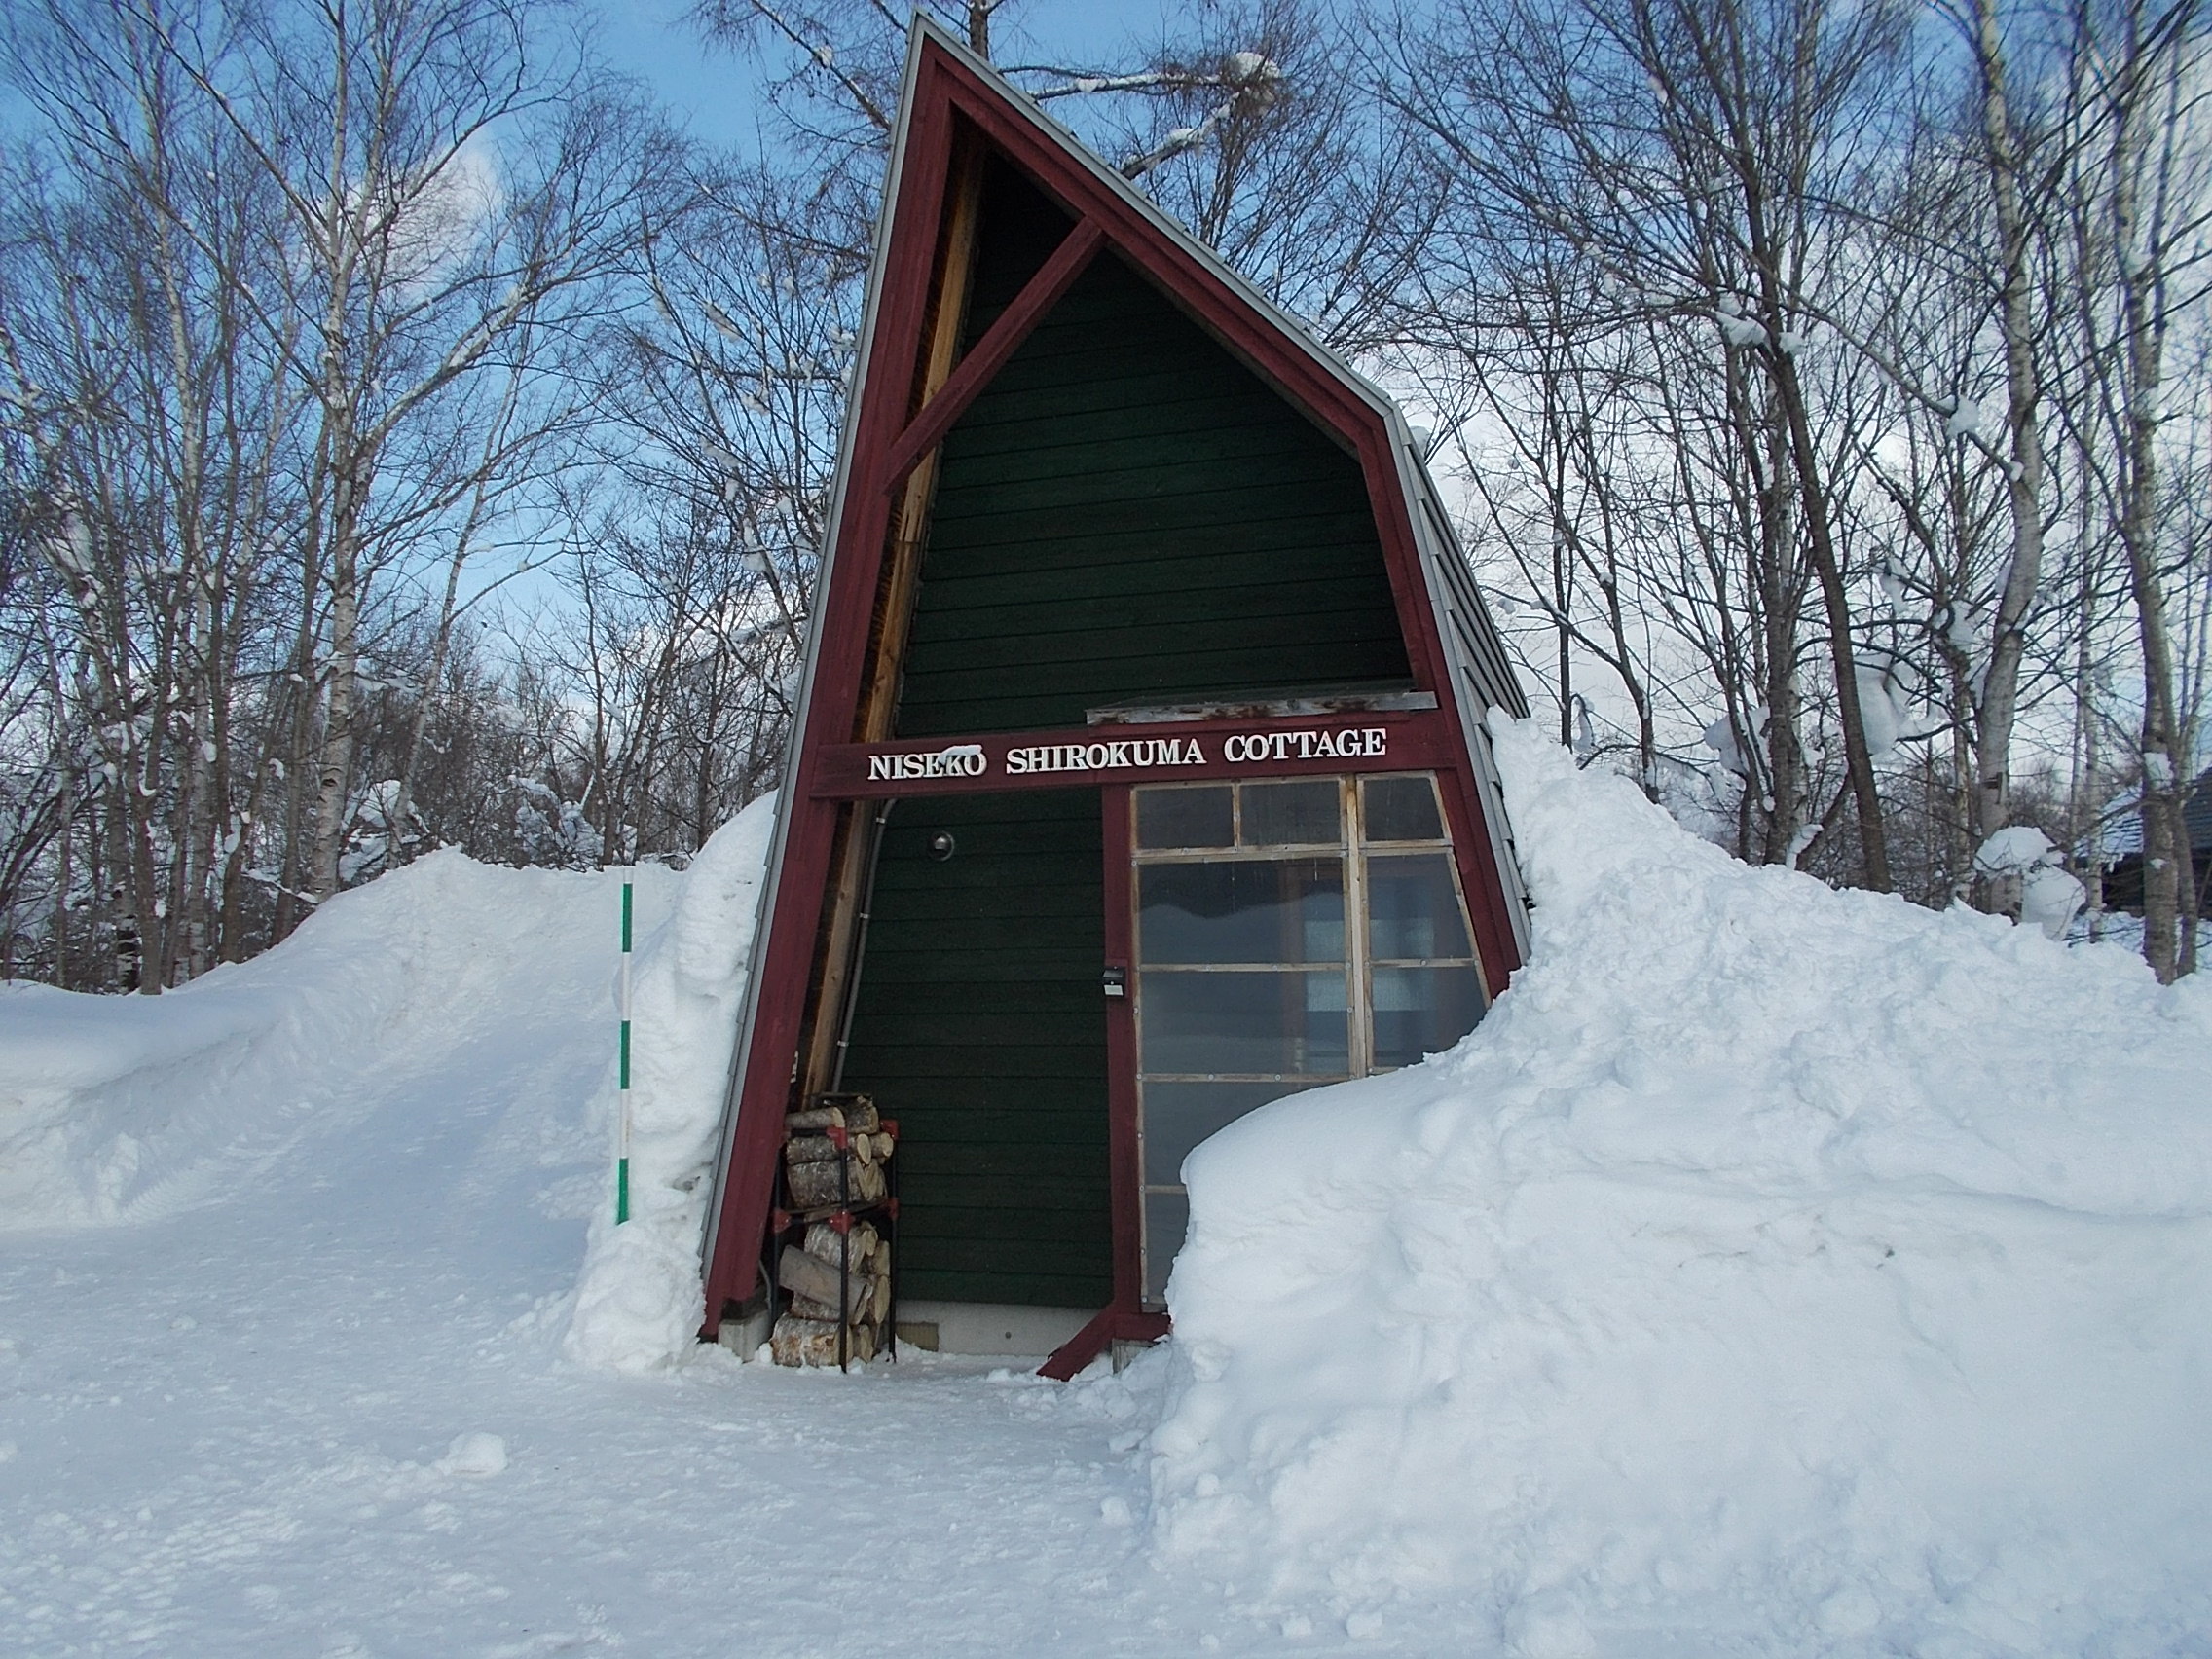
788, 1218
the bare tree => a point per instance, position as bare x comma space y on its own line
292, 305
2142, 199
454, 183
1698, 156
163, 432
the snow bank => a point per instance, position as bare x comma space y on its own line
118, 1109
639, 1302
1800, 1268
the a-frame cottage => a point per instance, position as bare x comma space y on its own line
1141, 775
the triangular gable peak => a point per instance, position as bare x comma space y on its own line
955, 297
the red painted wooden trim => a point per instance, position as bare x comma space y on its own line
1389, 740
767, 1084
1471, 844
1478, 878
1124, 1167
988, 354
784, 958
1109, 1326
1401, 553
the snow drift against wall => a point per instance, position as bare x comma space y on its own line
640, 1301
1794, 1266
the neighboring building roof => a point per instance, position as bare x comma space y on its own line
2119, 836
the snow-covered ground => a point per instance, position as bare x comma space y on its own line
358, 1176
1712, 1299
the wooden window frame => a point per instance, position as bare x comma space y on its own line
1127, 1078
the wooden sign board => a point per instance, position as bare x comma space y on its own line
1156, 754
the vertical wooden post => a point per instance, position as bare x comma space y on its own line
858, 825
788, 967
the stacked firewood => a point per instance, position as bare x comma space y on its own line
839, 1250
812, 1150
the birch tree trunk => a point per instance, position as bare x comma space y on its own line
1996, 703
2149, 204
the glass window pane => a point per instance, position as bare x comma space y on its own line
1166, 1221
1423, 1011
1413, 910
1286, 815
1401, 809
1286, 910
1243, 1022
1177, 1116
1184, 818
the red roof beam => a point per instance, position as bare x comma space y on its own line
1055, 278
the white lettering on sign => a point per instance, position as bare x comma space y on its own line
961, 761
1116, 756
1262, 745
1136, 754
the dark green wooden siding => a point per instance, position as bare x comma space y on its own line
980, 1027
1127, 512
1021, 226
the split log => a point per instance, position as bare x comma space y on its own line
814, 1342
815, 1279
813, 1149
826, 1242
857, 1115
871, 1301
871, 1183
803, 1341
821, 1149
814, 1184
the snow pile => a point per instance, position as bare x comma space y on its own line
120, 1109
639, 1301
1801, 1267
2050, 897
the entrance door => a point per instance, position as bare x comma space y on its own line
1288, 934
977, 1024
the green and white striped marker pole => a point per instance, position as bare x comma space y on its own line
622, 1143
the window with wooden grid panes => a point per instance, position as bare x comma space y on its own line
1289, 933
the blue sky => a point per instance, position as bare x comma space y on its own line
709, 88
